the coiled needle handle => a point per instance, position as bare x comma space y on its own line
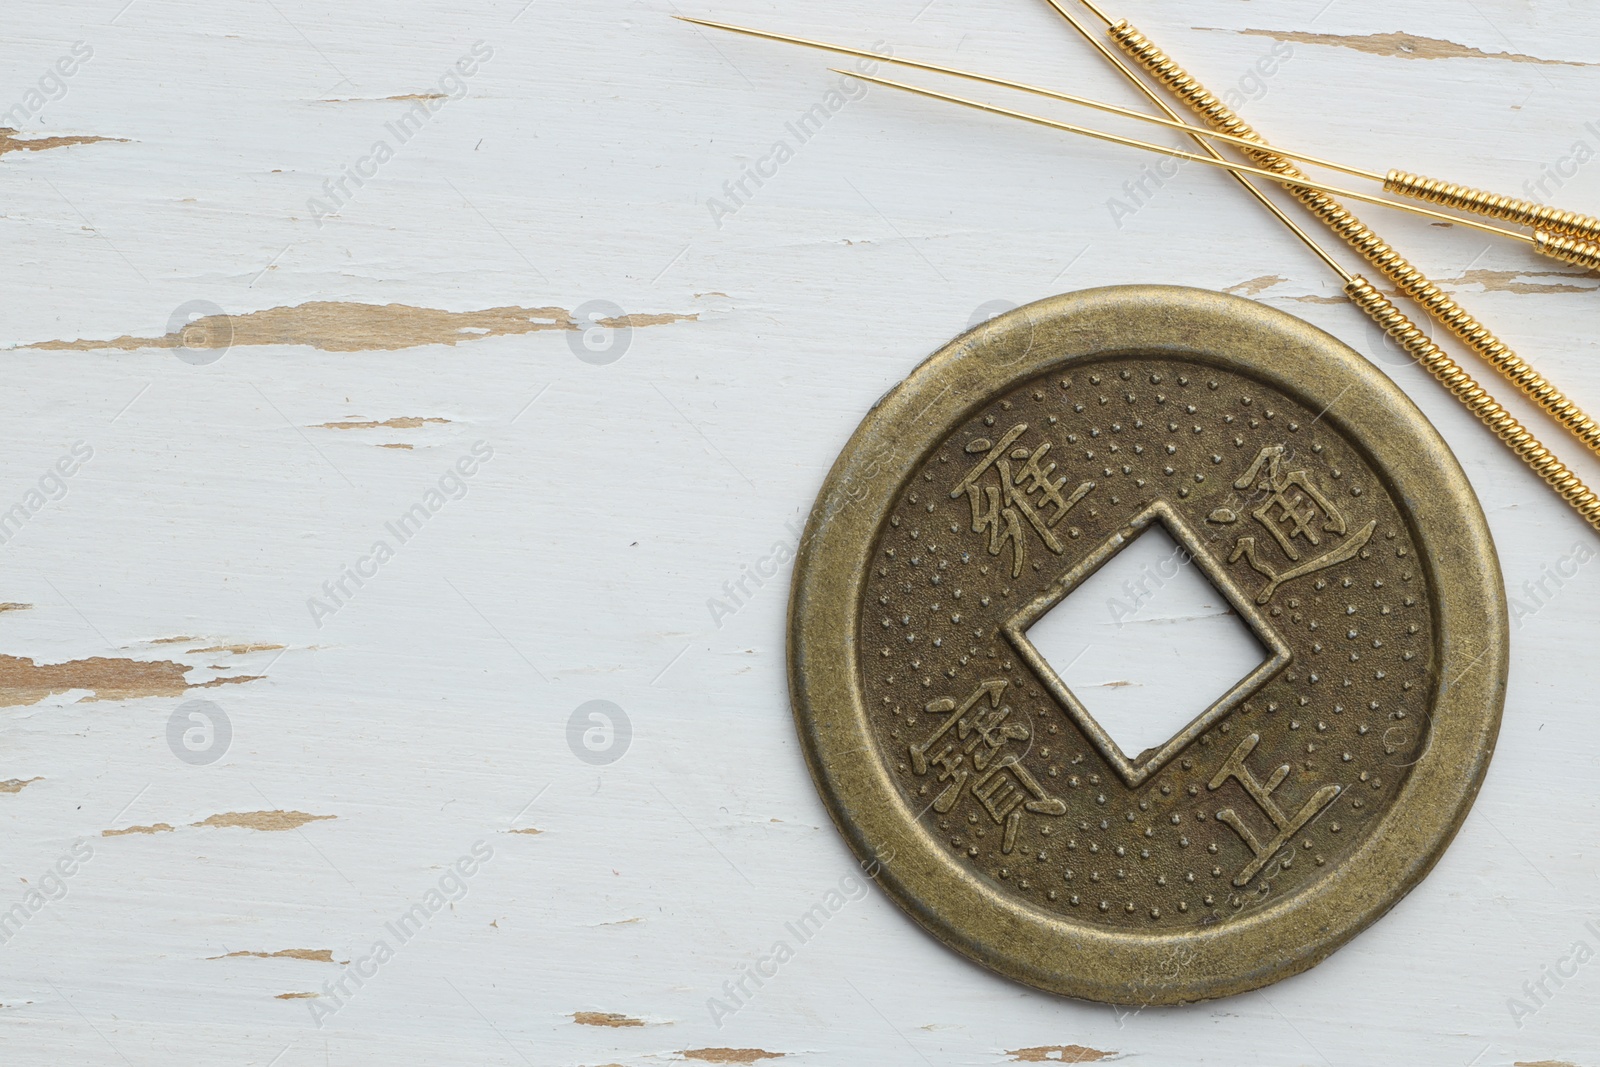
1541, 217
1517, 437
1449, 314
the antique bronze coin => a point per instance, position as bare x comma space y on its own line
1288, 814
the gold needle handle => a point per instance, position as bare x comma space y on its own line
1505, 425
1220, 116
1551, 220
1437, 302
1379, 253
1523, 212
1574, 250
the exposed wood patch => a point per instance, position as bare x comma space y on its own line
385, 99
405, 422
1312, 299
237, 650
298, 996
634, 322
1545, 1063
395, 446
315, 955
10, 142
1256, 285
1058, 1054
604, 1018
1403, 45
22, 681
12, 606
1511, 281
154, 828
215, 682
263, 820
530, 830
730, 1055
621, 922
17, 785
26, 681
349, 327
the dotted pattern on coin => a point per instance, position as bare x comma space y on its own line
1278, 791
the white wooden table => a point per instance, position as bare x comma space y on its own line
387, 752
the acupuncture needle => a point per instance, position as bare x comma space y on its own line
1178, 153
1006, 83
1404, 183
1529, 213
1360, 237
1574, 251
1397, 325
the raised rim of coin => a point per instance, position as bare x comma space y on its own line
961, 908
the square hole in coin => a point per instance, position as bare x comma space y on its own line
1147, 643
